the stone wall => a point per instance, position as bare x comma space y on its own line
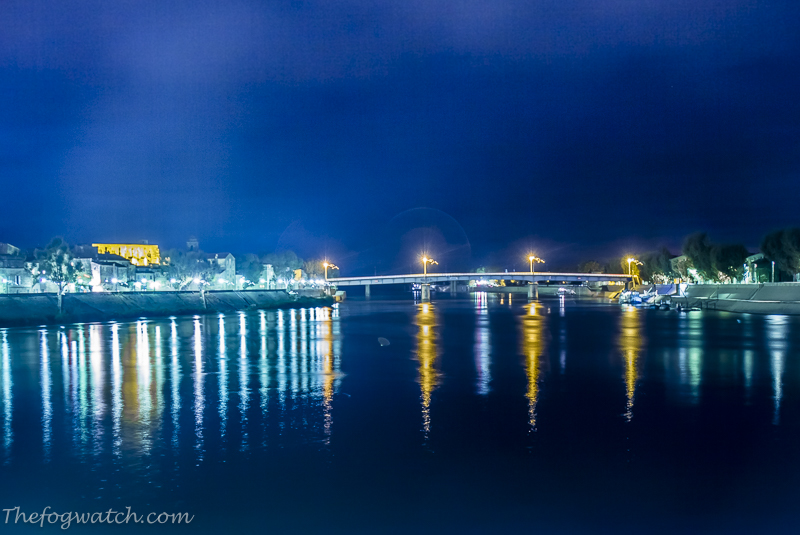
766, 298
36, 309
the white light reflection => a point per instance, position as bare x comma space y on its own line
223, 379
98, 382
144, 378
244, 376
116, 391
8, 435
293, 348
81, 406
199, 398
777, 332
159, 364
690, 354
175, 382
748, 372
263, 368
47, 405
483, 346
282, 379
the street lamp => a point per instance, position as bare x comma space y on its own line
634, 261
532, 259
327, 265
425, 262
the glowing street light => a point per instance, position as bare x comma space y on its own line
532, 259
328, 265
425, 262
632, 260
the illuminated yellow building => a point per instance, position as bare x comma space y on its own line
138, 254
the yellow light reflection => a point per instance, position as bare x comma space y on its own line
426, 353
533, 349
630, 343
327, 373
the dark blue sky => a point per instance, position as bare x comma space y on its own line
578, 128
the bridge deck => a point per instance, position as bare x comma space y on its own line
419, 278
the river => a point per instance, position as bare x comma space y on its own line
481, 414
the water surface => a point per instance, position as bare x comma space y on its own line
482, 414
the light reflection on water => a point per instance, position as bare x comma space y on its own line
255, 405
120, 393
426, 354
8, 437
483, 344
630, 343
533, 349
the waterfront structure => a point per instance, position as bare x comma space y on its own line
224, 264
14, 276
138, 254
425, 280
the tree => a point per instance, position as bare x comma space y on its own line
57, 265
697, 247
590, 267
184, 267
284, 263
250, 267
728, 260
783, 248
656, 266
715, 262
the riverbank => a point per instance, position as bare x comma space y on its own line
766, 298
41, 309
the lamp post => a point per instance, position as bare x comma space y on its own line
327, 265
425, 262
532, 259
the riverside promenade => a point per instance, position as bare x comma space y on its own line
39, 309
766, 298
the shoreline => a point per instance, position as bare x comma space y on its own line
26, 310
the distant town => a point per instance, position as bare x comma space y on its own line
120, 267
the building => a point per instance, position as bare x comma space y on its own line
112, 273
138, 254
223, 266
14, 276
6, 249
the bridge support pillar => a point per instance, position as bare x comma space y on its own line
453, 287
533, 291
366, 291
426, 292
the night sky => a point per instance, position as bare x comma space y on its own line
574, 128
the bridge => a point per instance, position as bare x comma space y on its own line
454, 278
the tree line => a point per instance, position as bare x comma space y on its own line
704, 260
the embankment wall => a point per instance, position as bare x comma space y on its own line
767, 298
37, 309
